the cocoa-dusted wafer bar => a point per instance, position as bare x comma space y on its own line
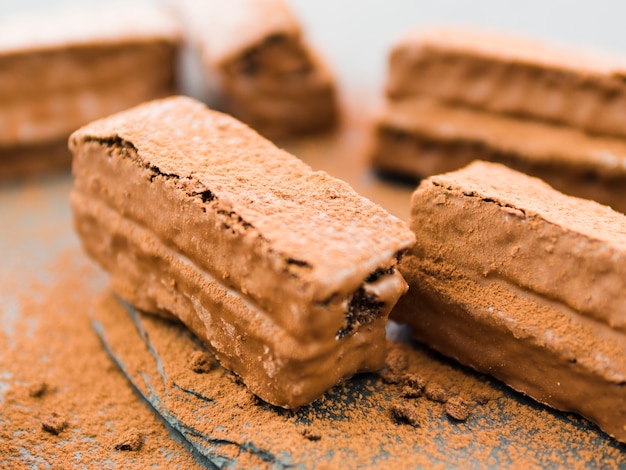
262, 67
515, 76
420, 137
520, 281
287, 273
61, 70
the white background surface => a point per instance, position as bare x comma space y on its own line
355, 36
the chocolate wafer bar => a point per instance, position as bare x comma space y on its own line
522, 282
264, 71
61, 70
515, 76
419, 137
285, 272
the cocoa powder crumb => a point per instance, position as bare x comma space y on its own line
413, 386
389, 376
311, 434
457, 409
397, 360
131, 441
201, 362
406, 414
410, 392
37, 390
54, 424
395, 365
437, 394
482, 399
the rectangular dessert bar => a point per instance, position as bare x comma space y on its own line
287, 273
420, 137
522, 282
265, 72
514, 76
61, 70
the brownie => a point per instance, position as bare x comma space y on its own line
255, 56
522, 282
285, 272
61, 70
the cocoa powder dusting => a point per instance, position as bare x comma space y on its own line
63, 403
91, 404
406, 416
357, 419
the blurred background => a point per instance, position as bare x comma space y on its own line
355, 35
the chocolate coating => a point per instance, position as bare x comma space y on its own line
266, 73
420, 137
513, 76
196, 215
524, 283
60, 71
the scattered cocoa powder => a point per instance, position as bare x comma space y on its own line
51, 336
360, 418
50, 358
